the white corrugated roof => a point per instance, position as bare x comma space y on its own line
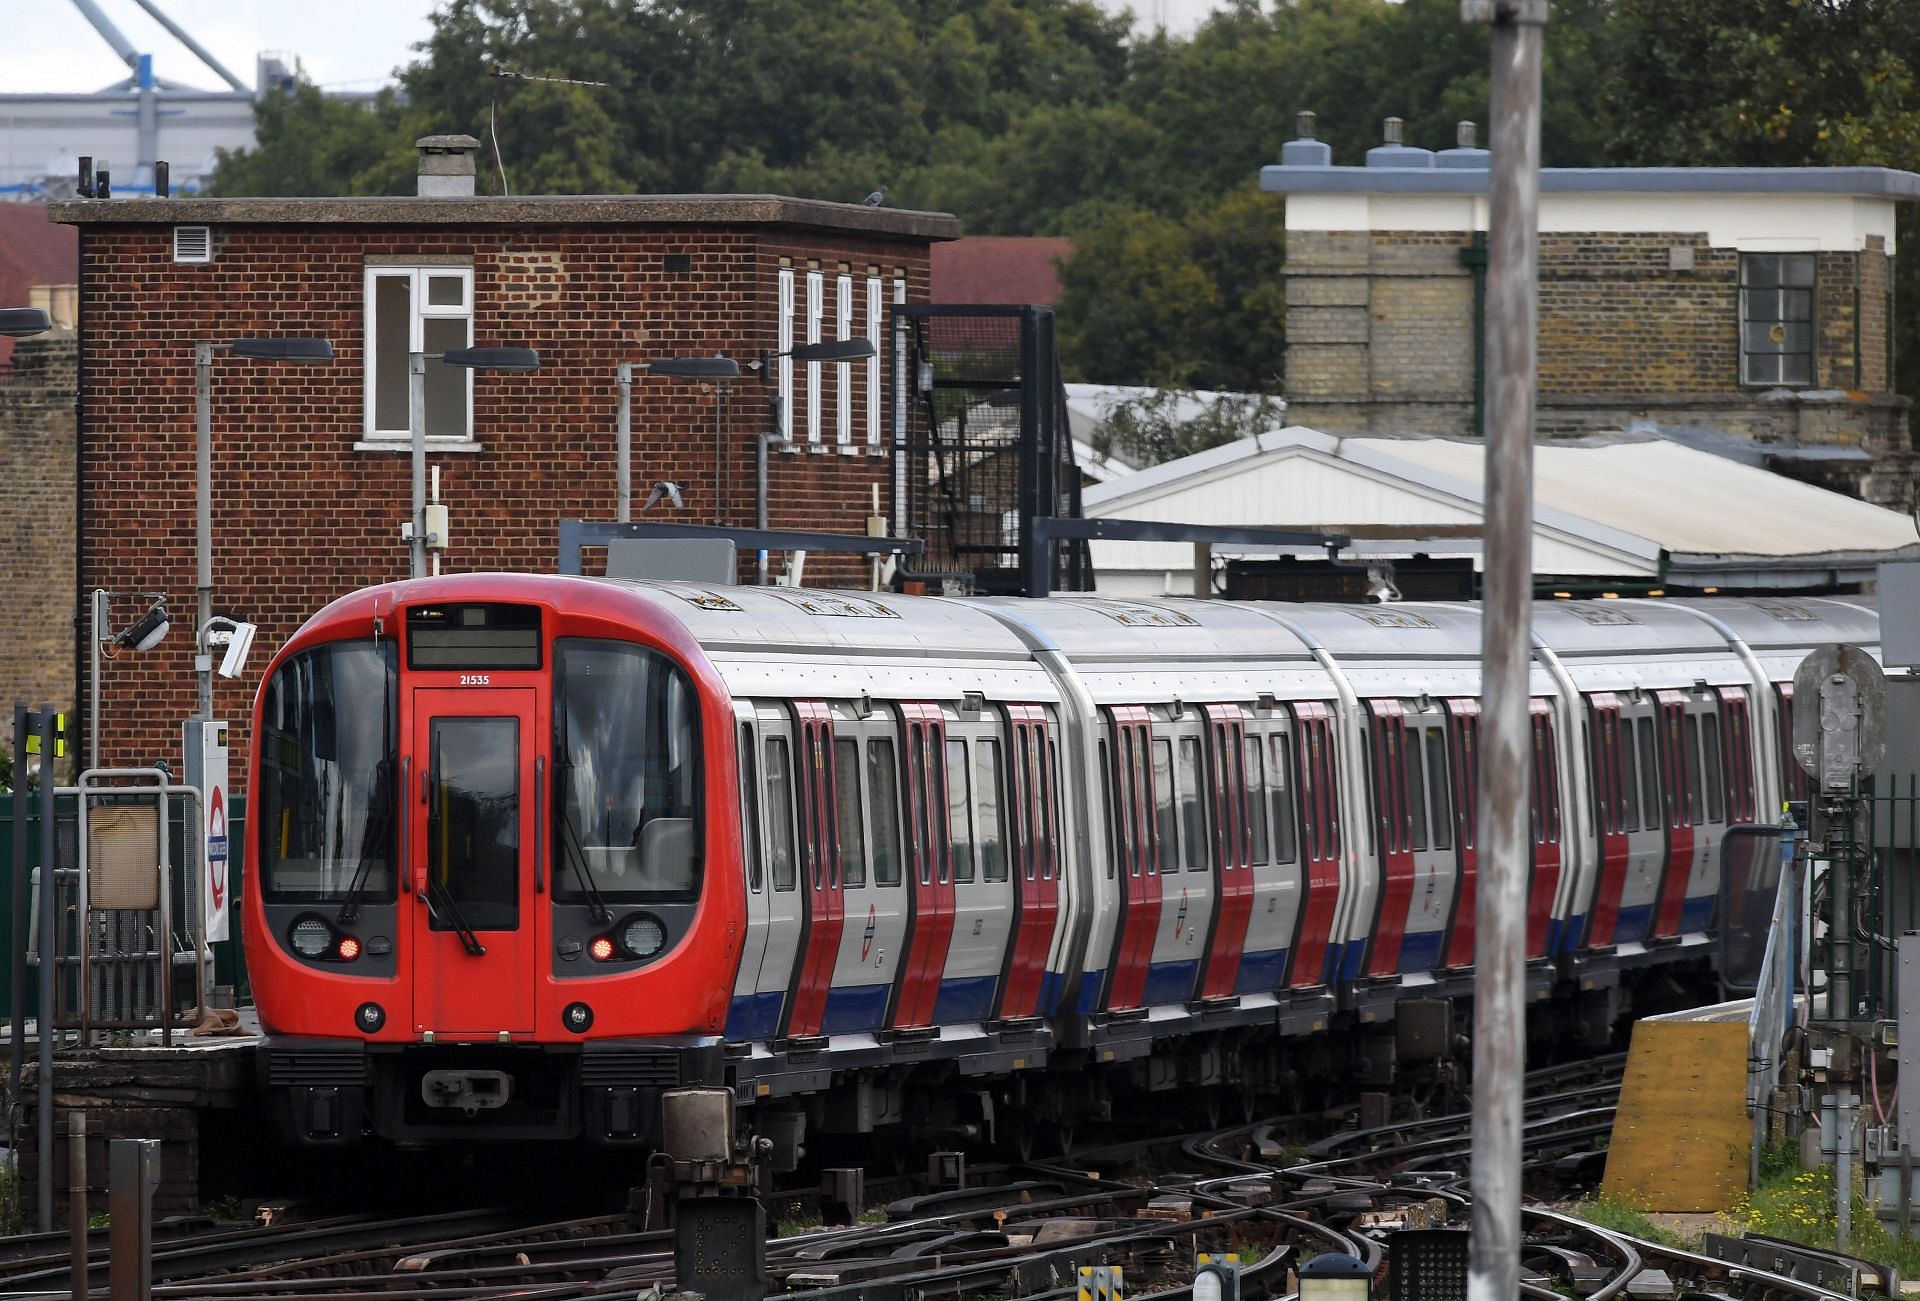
1615, 505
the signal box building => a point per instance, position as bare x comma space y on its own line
1750, 301
311, 472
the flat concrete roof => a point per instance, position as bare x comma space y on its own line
535, 210
1862, 182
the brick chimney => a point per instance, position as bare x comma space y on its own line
446, 166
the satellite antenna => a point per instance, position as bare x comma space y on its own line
499, 74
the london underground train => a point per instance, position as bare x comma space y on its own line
528, 850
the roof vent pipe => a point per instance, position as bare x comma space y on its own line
1305, 151
446, 166
1465, 154
1395, 154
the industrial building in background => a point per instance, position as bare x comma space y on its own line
129, 126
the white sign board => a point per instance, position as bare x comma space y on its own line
216, 890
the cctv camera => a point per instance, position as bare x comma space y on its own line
239, 642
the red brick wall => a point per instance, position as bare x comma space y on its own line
300, 516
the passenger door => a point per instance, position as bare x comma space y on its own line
752, 1015
1317, 778
1230, 850
1607, 739
824, 915
1678, 799
1463, 735
1132, 845
473, 930
929, 867
983, 889
1034, 818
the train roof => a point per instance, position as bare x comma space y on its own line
1095, 630
1602, 628
1770, 622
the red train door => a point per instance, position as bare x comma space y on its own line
1232, 857
1736, 734
929, 866
1678, 797
1318, 784
824, 914
1035, 818
1546, 821
1606, 735
1133, 833
1463, 740
1387, 736
472, 928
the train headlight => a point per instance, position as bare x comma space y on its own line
311, 937
642, 935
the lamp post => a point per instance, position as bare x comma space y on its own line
296, 349
826, 350
716, 371
23, 322
507, 359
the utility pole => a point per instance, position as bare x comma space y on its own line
1499, 983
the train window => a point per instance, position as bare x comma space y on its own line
1598, 732
1650, 801
1107, 809
942, 850
1695, 811
1312, 814
1549, 780
473, 824
1025, 817
919, 837
1256, 768
1280, 779
626, 744
846, 794
327, 774
1535, 809
987, 793
959, 830
1439, 789
749, 810
1629, 777
1416, 790
1166, 830
1140, 827
1793, 776
1193, 819
1710, 759
1049, 807
883, 794
780, 813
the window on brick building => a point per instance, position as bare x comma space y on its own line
1776, 318
418, 309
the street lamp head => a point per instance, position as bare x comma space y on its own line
19, 322
702, 368
493, 358
147, 631
834, 350
297, 348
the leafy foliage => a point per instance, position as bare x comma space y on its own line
1152, 428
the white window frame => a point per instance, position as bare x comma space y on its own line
843, 372
816, 296
876, 315
422, 311
784, 345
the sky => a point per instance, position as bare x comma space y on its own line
343, 44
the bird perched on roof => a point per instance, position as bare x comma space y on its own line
877, 198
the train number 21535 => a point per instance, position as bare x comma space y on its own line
476, 679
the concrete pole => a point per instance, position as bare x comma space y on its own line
623, 443
203, 520
417, 425
1499, 1038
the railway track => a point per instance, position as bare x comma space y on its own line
1251, 1190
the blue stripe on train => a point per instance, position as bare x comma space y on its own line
970, 999
850, 1009
1632, 923
1696, 913
1050, 983
1261, 973
1169, 982
1089, 992
1420, 951
753, 1016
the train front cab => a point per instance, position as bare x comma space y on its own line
481, 854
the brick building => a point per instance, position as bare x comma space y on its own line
36, 520
311, 479
1750, 301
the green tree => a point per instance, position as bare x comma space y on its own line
1166, 424
313, 144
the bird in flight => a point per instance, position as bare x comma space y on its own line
877, 198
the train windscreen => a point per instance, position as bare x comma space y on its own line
326, 743
626, 774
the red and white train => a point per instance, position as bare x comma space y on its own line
528, 849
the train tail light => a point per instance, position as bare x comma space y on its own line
348, 948
601, 948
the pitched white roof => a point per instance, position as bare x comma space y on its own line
1619, 505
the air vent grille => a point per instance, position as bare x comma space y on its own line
193, 243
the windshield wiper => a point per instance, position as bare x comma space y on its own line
468, 939
370, 844
576, 855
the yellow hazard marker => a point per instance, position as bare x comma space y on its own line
1101, 1283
